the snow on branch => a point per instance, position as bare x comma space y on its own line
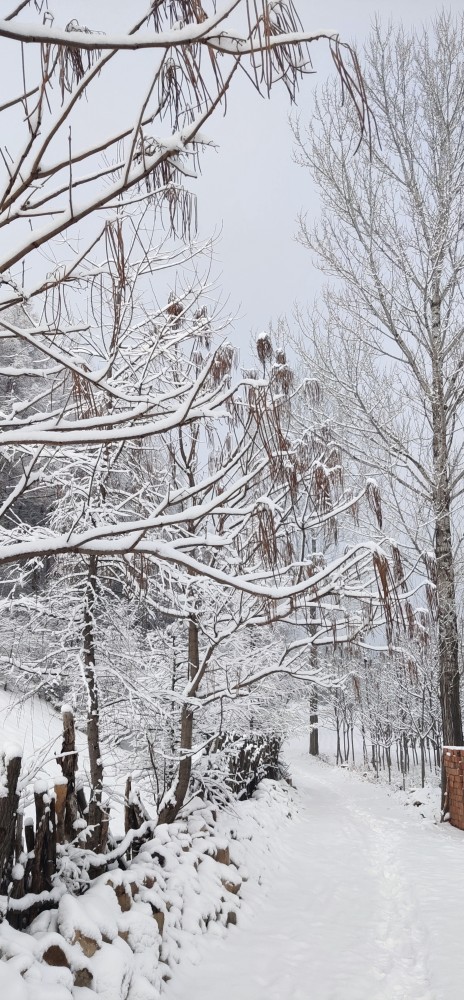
227, 42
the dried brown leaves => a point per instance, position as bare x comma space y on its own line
374, 500
73, 62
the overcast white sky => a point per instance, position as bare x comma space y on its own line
251, 188
250, 191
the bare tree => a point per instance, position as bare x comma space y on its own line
128, 357
60, 176
389, 340
57, 174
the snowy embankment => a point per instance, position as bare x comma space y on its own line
124, 938
37, 729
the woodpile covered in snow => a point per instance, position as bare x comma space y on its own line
123, 937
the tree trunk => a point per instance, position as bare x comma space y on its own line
177, 795
314, 725
448, 640
96, 816
313, 703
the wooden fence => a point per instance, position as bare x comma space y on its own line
31, 849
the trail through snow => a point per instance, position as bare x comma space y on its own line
360, 900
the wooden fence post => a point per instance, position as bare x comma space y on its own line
68, 763
44, 861
9, 801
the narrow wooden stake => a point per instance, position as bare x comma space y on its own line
8, 812
68, 762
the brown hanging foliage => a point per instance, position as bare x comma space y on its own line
264, 348
432, 600
288, 63
73, 62
398, 570
83, 396
354, 511
313, 391
222, 363
304, 454
356, 681
264, 530
182, 87
165, 185
282, 376
287, 550
204, 333
321, 487
412, 670
430, 563
374, 500
175, 11
410, 619
387, 591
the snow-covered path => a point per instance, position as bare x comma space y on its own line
361, 901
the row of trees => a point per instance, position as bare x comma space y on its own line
387, 339
385, 712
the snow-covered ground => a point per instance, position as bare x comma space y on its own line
355, 892
361, 899
37, 729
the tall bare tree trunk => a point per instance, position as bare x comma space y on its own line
171, 809
313, 700
448, 641
97, 818
314, 725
